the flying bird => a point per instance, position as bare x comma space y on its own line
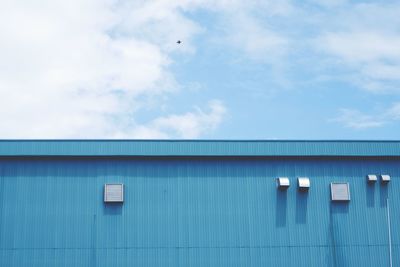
178, 42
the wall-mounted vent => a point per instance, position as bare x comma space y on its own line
340, 192
113, 193
304, 183
283, 182
372, 178
385, 178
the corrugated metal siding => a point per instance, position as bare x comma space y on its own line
197, 148
195, 212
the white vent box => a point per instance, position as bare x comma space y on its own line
340, 192
113, 193
372, 178
283, 182
385, 178
304, 183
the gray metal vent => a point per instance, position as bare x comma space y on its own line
304, 183
385, 178
340, 192
283, 182
113, 193
372, 178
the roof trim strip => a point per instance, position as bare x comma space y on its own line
198, 148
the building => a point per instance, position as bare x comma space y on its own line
199, 203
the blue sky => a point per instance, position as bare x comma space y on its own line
244, 70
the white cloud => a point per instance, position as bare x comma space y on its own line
248, 27
75, 69
362, 47
258, 42
329, 3
356, 119
394, 111
160, 22
372, 58
188, 125
364, 42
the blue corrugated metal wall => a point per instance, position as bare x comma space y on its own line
195, 212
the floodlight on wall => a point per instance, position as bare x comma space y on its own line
385, 178
283, 183
113, 193
304, 183
340, 192
372, 178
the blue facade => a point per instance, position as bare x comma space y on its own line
201, 209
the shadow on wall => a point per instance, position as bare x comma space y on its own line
331, 259
370, 194
301, 207
336, 252
339, 207
112, 208
383, 190
370, 197
281, 208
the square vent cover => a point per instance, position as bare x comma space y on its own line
372, 178
304, 183
385, 178
113, 193
283, 182
340, 192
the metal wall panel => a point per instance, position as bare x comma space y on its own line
195, 212
197, 148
